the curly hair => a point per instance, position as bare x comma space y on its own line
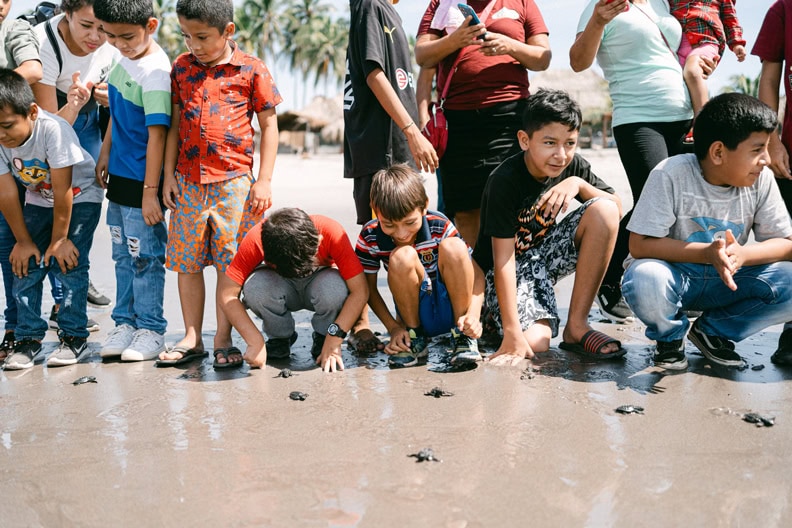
290, 241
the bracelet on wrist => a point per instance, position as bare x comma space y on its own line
408, 125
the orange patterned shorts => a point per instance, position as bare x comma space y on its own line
208, 224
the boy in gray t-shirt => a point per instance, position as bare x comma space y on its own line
688, 238
54, 229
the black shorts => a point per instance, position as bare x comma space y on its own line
478, 141
361, 192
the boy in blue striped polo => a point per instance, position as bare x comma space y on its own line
130, 167
430, 272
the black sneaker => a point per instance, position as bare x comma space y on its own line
68, 352
418, 349
91, 325
782, 355
670, 355
318, 343
717, 349
25, 352
612, 305
465, 348
96, 297
280, 347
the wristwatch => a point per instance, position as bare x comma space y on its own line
335, 331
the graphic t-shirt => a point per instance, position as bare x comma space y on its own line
372, 141
335, 249
774, 44
140, 97
677, 202
53, 144
508, 205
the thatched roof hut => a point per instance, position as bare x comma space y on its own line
587, 88
319, 113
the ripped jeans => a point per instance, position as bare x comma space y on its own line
72, 317
139, 256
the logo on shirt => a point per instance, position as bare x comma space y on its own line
389, 31
506, 13
31, 172
427, 256
403, 79
349, 94
713, 229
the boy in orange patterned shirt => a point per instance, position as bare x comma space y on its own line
209, 185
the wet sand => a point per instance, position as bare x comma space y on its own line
539, 445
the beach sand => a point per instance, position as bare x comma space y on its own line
539, 445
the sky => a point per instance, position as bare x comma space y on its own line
561, 17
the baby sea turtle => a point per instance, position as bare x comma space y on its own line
759, 420
84, 379
425, 455
437, 392
629, 409
297, 396
285, 373
758, 367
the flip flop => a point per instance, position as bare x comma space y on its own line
591, 344
225, 352
188, 355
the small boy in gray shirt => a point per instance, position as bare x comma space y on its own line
689, 234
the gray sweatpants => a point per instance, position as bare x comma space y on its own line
273, 298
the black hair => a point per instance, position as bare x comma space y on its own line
137, 12
290, 241
70, 6
731, 118
551, 106
396, 192
214, 13
15, 92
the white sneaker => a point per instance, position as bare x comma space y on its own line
117, 341
146, 344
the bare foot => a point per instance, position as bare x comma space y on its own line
178, 350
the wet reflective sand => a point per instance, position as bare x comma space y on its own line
534, 446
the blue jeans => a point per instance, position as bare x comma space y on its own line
659, 292
139, 256
72, 317
7, 242
88, 132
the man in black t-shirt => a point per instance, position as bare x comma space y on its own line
523, 250
380, 113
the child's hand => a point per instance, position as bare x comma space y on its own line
722, 263
261, 196
422, 151
739, 50
256, 355
513, 349
734, 251
102, 175
330, 358
151, 210
470, 325
79, 92
399, 340
170, 192
20, 257
64, 252
556, 199
101, 95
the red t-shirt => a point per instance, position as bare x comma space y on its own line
479, 80
335, 249
774, 44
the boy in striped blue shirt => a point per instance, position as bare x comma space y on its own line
430, 272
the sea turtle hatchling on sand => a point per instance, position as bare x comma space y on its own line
629, 409
298, 396
84, 379
425, 455
284, 373
437, 392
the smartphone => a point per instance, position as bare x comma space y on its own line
467, 11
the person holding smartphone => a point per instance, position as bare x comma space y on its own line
487, 92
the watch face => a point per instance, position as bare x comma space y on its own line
335, 331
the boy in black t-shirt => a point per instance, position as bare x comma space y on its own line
380, 114
523, 251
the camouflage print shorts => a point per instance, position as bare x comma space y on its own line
538, 269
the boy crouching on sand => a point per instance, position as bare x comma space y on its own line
430, 273
291, 261
209, 185
688, 235
524, 251
62, 207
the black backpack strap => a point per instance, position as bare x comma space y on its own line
54, 41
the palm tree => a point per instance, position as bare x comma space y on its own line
320, 49
260, 27
744, 85
169, 34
